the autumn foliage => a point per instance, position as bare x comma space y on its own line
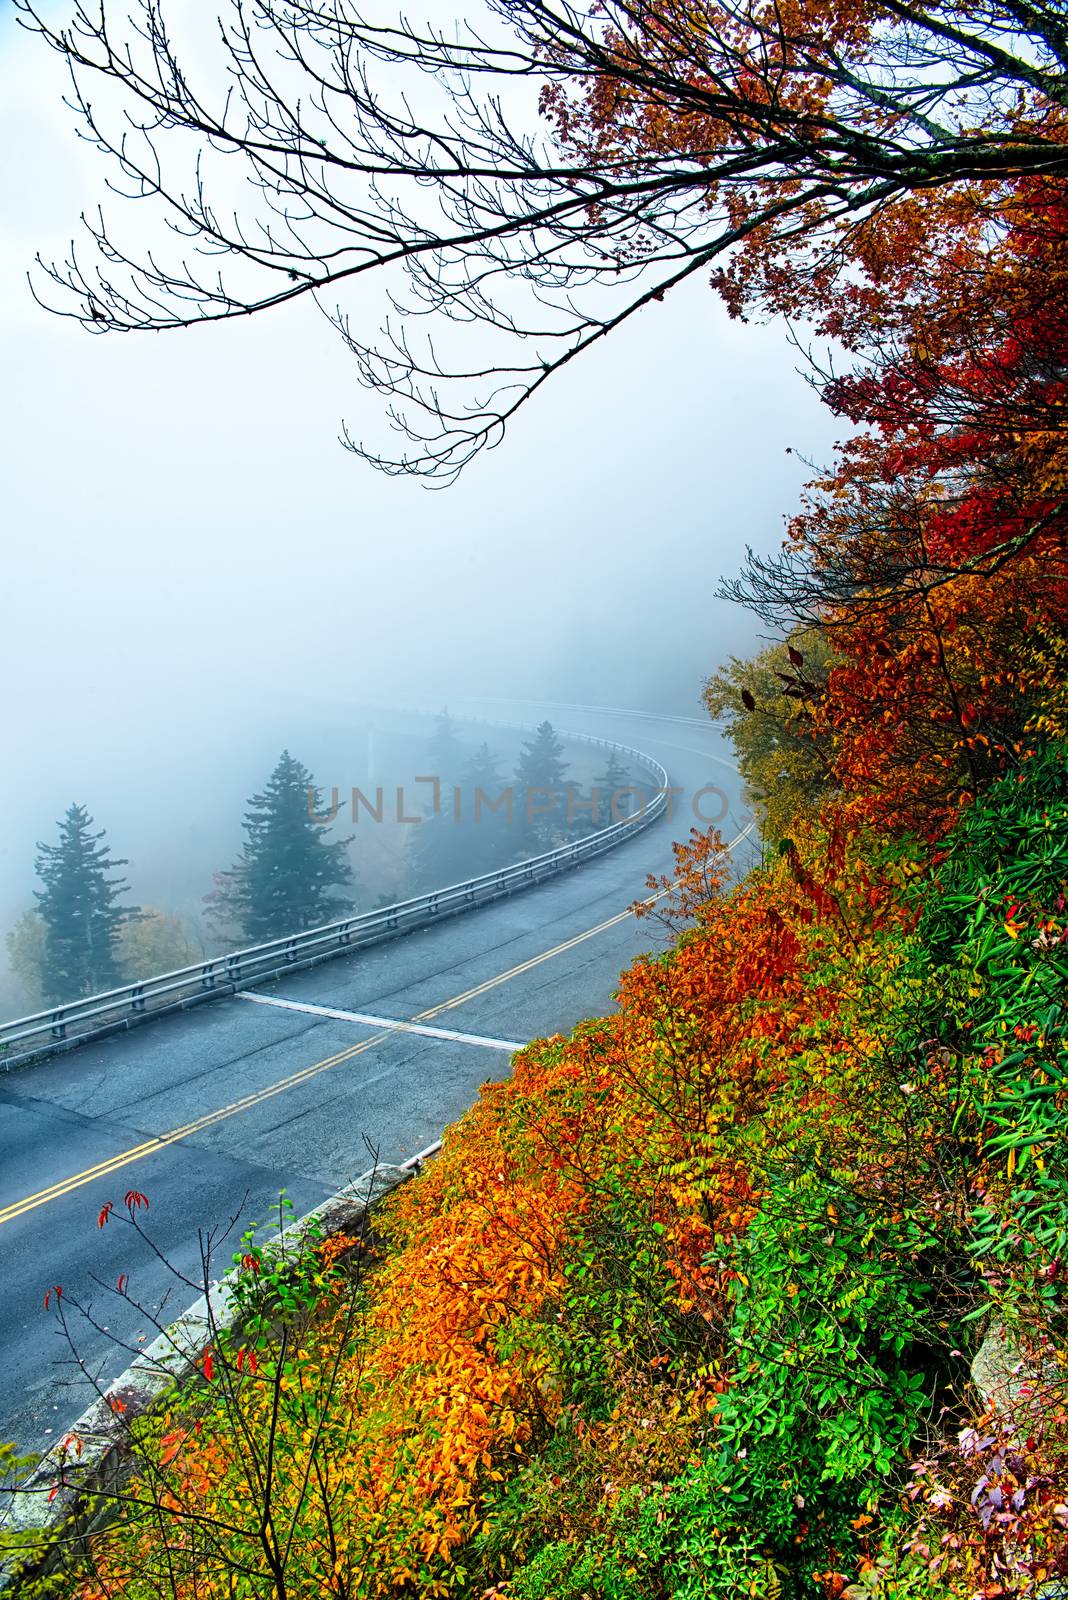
685, 1306
689, 1305
933, 556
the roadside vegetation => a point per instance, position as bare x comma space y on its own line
756, 1286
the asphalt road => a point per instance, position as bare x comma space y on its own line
241, 1099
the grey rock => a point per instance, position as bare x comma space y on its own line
1008, 1374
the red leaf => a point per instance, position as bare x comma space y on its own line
209, 1365
133, 1199
105, 1212
123, 1280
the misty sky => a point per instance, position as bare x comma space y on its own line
192, 562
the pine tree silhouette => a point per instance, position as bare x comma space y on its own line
289, 874
78, 904
612, 804
454, 843
539, 780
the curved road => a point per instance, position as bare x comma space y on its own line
212, 1112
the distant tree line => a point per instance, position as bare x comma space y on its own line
83, 936
481, 820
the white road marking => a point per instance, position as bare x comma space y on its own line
511, 1045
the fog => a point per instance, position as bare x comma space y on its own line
196, 573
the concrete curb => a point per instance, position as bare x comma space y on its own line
52, 1507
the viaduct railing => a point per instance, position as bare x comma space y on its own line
95, 1016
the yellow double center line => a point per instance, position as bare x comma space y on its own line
125, 1158
210, 1118
524, 966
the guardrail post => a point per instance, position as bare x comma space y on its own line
201, 980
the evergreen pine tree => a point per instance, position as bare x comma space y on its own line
612, 806
485, 812
289, 873
78, 905
446, 752
451, 844
438, 850
539, 776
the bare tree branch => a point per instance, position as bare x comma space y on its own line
663, 140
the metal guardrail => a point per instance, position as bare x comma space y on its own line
116, 1010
